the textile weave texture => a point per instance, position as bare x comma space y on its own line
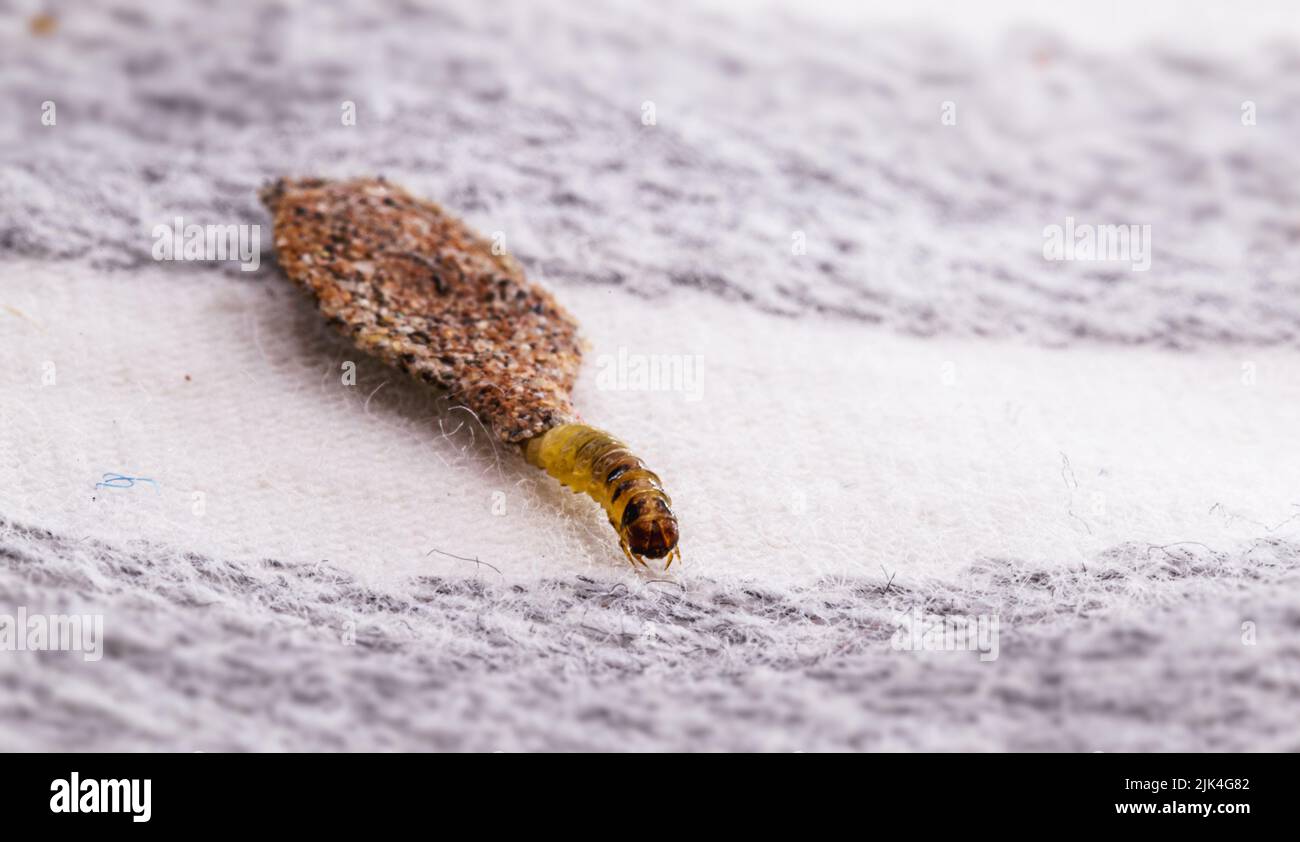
915, 413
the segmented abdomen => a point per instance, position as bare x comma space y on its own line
599, 465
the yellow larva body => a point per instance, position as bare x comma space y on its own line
597, 464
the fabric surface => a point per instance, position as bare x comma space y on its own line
915, 412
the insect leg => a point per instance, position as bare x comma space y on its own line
627, 551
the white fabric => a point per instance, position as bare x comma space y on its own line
814, 449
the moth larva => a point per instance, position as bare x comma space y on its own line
413, 285
595, 463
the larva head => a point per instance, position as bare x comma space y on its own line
649, 527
